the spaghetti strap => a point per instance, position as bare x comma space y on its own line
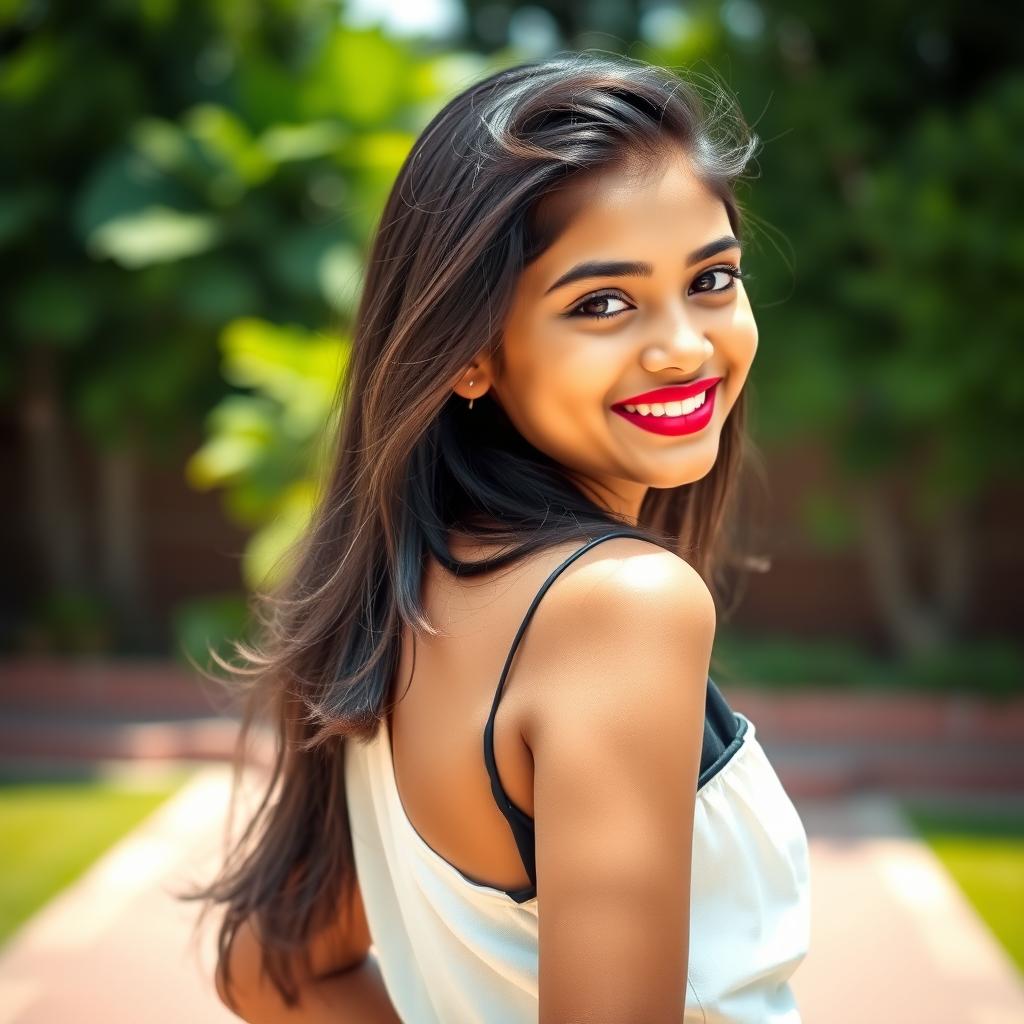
519, 821
540, 593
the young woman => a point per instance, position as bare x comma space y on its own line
469, 820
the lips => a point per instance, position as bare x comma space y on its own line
687, 423
673, 393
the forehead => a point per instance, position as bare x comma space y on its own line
629, 211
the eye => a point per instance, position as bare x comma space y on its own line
601, 299
728, 271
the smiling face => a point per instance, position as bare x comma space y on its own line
580, 341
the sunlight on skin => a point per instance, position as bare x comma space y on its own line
561, 374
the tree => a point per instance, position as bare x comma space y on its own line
206, 165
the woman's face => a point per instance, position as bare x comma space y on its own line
680, 318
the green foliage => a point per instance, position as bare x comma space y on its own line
68, 622
162, 197
210, 175
57, 305
881, 245
209, 622
262, 445
994, 666
934, 219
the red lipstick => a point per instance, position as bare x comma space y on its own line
686, 423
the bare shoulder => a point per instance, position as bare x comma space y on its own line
624, 605
621, 671
625, 579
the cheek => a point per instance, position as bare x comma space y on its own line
750, 341
521, 352
549, 368
533, 381
737, 345
557, 388
739, 337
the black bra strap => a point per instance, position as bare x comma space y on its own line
519, 821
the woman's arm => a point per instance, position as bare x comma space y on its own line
621, 657
355, 995
343, 982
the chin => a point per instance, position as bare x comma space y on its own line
696, 469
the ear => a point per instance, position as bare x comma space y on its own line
475, 380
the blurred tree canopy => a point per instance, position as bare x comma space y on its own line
892, 160
189, 188
177, 170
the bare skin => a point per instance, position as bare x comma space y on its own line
456, 676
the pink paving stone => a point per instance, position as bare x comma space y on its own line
893, 939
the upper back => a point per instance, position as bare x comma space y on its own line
444, 686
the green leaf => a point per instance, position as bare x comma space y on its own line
296, 258
350, 59
297, 368
121, 185
379, 151
167, 147
242, 429
157, 234
265, 558
340, 275
29, 69
283, 143
212, 621
239, 162
217, 290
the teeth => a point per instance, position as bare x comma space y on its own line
669, 408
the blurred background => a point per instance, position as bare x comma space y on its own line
187, 191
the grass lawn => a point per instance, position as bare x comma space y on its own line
984, 851
50, 832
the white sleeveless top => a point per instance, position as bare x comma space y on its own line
455, 951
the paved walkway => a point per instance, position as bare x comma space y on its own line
892, 940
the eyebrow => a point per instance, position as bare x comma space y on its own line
630, 268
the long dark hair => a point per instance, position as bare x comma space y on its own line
409, 463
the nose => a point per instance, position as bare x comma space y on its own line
677, 344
